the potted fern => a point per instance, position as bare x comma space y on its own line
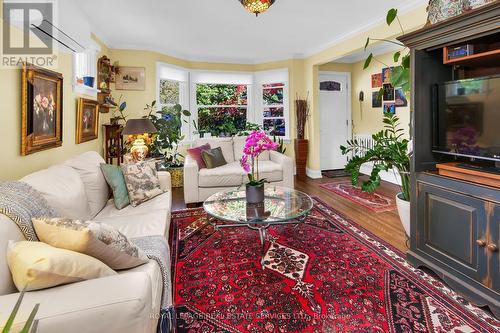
390, 151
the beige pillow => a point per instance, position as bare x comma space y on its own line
37, 265
97, 240
142, 181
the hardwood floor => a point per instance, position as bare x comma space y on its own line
385, 225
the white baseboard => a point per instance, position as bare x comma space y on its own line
314, 174
389, 176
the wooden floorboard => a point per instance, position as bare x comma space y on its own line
385, 225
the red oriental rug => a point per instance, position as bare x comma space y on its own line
373, 201
326, 275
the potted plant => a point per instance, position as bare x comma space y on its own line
390, 150
168, 123
301, 144
119, 111
255, 144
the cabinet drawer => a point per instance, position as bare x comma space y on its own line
449, 225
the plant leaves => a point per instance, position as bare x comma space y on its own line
405, 61
29, 322
391, 15
123, 106
186, 113
367, 42
368, 61
153, 103
396, 56
10, 320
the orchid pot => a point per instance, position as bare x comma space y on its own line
256, 143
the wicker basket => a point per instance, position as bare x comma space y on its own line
177, 175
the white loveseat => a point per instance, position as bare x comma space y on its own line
127, 302
200, 184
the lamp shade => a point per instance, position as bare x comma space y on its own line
139, 126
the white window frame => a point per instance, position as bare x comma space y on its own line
85, 63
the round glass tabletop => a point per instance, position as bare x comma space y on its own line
280, 205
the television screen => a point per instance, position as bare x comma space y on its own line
467, 121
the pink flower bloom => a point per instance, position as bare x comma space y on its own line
256, 143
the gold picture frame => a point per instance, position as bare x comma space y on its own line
130, 78
41, 109
87, 120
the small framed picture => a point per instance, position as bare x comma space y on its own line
389, 107
130, 78
377, 80
400, 99
386, 74
42, 105
388, 92
376, 99
87, 120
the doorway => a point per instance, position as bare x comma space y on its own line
335, 118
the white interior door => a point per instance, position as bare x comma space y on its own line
335, 118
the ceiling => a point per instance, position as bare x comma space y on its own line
223, 31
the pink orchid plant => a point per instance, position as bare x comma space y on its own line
256, 143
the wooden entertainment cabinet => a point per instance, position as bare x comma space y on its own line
455, 223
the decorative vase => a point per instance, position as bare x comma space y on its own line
255, 194
177, 176
301, 151
139, 150
404, 212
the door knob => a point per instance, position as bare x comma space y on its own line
481, 242
492, 247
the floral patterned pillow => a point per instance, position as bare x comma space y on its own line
94, 239
142, 181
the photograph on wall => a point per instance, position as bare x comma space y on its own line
376, 99
400, 99
390, 107
388, 92
87, 120
42, 100
377, 80
130, 78
386, 74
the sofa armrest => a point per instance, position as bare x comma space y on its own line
287, 165
190, 180
165, 180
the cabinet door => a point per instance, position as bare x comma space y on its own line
494, 254
449, 227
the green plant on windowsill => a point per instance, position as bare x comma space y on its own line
249, 127
281, 144
31, 324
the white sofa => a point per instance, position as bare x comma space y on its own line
200, 184
127, 302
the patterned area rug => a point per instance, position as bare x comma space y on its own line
326, 275
373, 201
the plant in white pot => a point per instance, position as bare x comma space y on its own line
390, 150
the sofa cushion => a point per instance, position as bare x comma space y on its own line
154, 223
114, 177
8, 231
213, 158
239, 143
98, 240
63, 189
231, 174
118, 303
271, 171
195, 153
226, 144
88, 167
142, 181
36, 265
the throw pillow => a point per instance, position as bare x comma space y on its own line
213, 158
114, 177
36, 265
142, 181
195, 153
97, 240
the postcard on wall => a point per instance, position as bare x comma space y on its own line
390, 107
401, 99
130, 78
388, 92
376, 99
386, 74
377, 80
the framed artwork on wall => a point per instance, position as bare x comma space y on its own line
386, 74
42, 105
130, 78
377, 80
388, 92
389, 107
376, 99
87, 120
400, 98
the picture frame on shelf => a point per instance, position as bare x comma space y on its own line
130, 78
41, 110
87, 120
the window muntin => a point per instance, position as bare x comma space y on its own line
273, 108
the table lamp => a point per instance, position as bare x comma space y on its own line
139, 150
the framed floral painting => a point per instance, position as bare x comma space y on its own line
42, 105
87, 120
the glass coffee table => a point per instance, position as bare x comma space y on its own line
281, 206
